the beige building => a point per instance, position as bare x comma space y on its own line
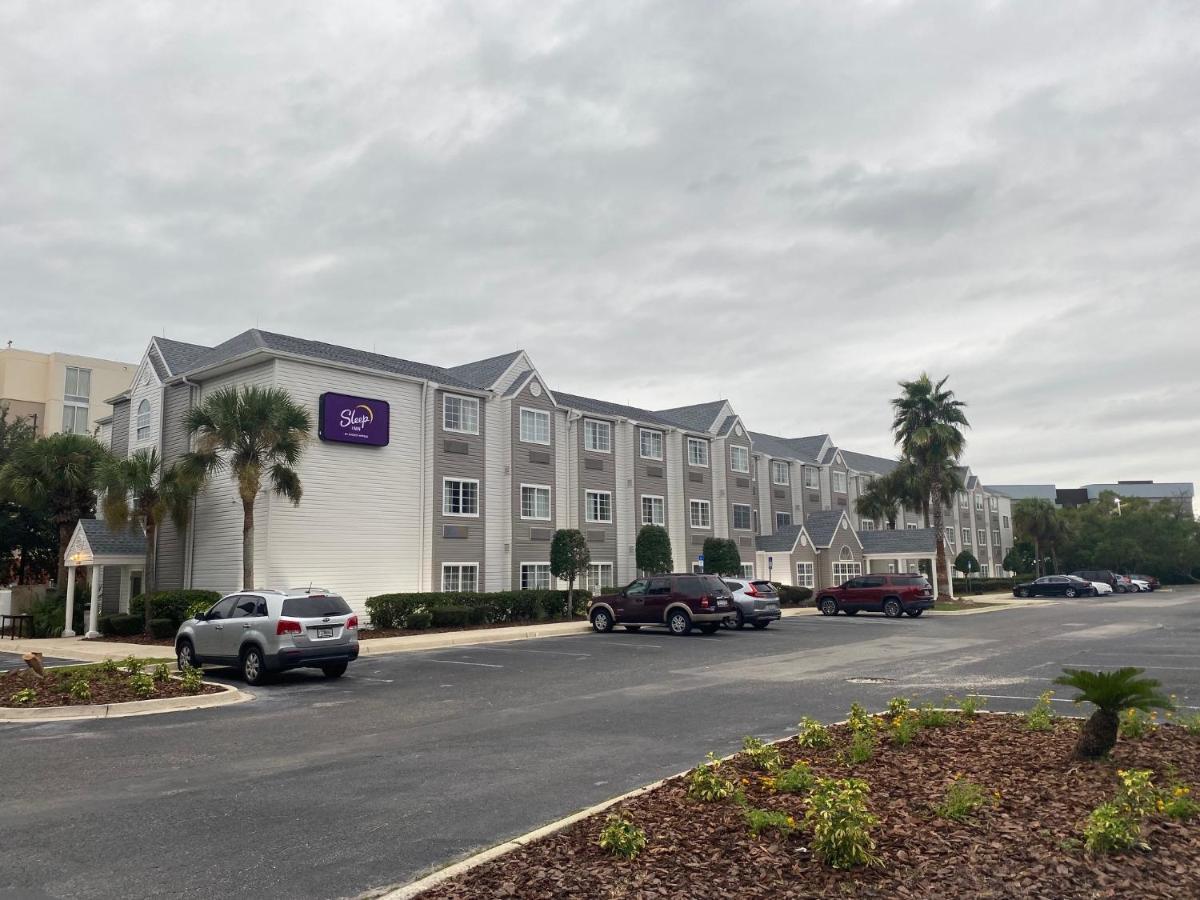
60, 391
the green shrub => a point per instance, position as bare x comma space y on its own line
143, 685
621, 837
983, 585
192, 680
162, 673
898, 706
840, 822
107, 667
791, 595
120, 625
24, 695
862, 748
80, 689
1191, 724
1110, 829
1041, 717
450, 616
419, 620
178, 606
763, 756
860, 721
1135, 723
48, 615
163, 628
1177, 803
500, 607
1136, 794
707, 784
132, 665
929, 716
905, 727
760, 820
812, 734
798, 779
962, 799
970, 704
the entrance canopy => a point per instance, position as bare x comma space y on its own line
97, 545
905, 545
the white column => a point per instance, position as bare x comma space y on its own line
933, 570
67, 632
949, 576
94, 613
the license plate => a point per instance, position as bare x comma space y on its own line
324, 632
721, 603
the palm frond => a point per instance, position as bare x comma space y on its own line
1115, 690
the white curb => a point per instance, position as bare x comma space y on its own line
227, 696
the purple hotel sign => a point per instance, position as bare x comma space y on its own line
353, 420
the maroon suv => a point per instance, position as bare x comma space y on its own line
676, 601
893, 595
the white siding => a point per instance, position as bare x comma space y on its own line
676, 499
628, 510
519, 367
566, 471
719, 466
766, 518
426, 427
498, 495
152, 391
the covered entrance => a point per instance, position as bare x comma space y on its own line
115, 560
902, 550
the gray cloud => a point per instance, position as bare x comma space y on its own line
811, 201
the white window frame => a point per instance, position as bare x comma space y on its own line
642, 433
950, 535
538, 414
464, 403
979, 502
812, 478
698, 505
445, 498
460, 568
697, 442
786, 524
661, 508
805, 576
536, 565
142, 421
996, 536
598, 426
994, 503
844, 570
549, 502
1004, 521
748, 571
749, 517
966, 536
736, 450
866, 524
78, 397
587, 506
963, 500
911, 526
838, 477
778, 467
981, 533
78, 415
983, 570
591, 583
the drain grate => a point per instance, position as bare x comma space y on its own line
867, 679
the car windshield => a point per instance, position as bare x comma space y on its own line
315, 607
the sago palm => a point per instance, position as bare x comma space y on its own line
254, 432
140, 493
1110, 692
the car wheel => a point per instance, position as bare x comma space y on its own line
709, 627
602, 621
335, 670
633, 627
254, 669
892, 608
1022, 593
1070, 592
1120, 589
829, 606
915, 613
739, 620
185, 656
761, 625
679, 622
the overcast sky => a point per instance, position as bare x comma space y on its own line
791, 205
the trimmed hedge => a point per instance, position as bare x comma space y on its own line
174, 605
397, 610
163, 628
121, 625
983, 585
791, 595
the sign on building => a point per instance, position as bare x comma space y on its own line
353, 420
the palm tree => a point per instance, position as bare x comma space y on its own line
139, 493
880, 501
55, 475
1037, 521
254, 432
1109, 692
926, 426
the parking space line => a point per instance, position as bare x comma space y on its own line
527, 650
632, 644
459, 662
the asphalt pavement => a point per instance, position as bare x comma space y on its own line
329, 789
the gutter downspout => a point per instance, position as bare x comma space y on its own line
425, 564
191, 531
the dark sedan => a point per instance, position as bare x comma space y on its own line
1055, 586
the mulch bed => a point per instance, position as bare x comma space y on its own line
53, 689
135, 639
1026, 844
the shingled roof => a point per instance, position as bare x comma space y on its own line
782, 541
615, 410
106, 542
865, 462
822, 526
903, 540
178, 355
484, 372
781, 448
698, 417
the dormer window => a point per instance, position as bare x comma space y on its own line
143, 421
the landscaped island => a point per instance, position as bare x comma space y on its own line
914, 803
101, 683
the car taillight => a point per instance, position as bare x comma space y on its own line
751, 591
352, 622
287, 626
704, 602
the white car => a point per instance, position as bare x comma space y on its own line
1102, 587
1140, 585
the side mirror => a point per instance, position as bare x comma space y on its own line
200, 617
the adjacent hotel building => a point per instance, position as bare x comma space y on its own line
426, 478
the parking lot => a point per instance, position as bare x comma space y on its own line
334, 788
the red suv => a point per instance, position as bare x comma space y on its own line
676, 601
893, 595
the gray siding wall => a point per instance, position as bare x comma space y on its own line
110, 590
597, 472
456, 455
697, 485
808, 498
839, 499
120, 429
844, 538
169, 559
740, 489
650, 479
528, 468
781, 494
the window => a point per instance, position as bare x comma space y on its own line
966, 536
143, 421
994, 502
78, 387
248, 606
535, 426
597, 506
983, 570
654, 510
780, 472
866, 525
741, 515
996, 536
979, 501
739, 458
460, 414
843, 571
982, 532
697, 452
912, 526
460, 496
599, 576
535, 576
962, 501
597, 436
839, 482
75, 419
812, 478
460, 577
949, 535
651, 444
782, 520
697, 568
1004, 521
804, 574
701, 513
747, 570
535, 501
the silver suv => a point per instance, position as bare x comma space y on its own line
268, 631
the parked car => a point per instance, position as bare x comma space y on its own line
1056, 586
1124, 581
1140, 585
893, 595
677, 601
263, 632
1101, 587
1153, 583
754, 603
1112, 579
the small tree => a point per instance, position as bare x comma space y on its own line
721, 557
1019, 559
569, 558
1109, 692
654, 550
966, 562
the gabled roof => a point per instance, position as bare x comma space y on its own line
484, 373
780, 448
615, 410
177, 355
106, 542
519, 385
782, 541
902, 540
726, 428
865, 462
822, 526
698, 417
811, 445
